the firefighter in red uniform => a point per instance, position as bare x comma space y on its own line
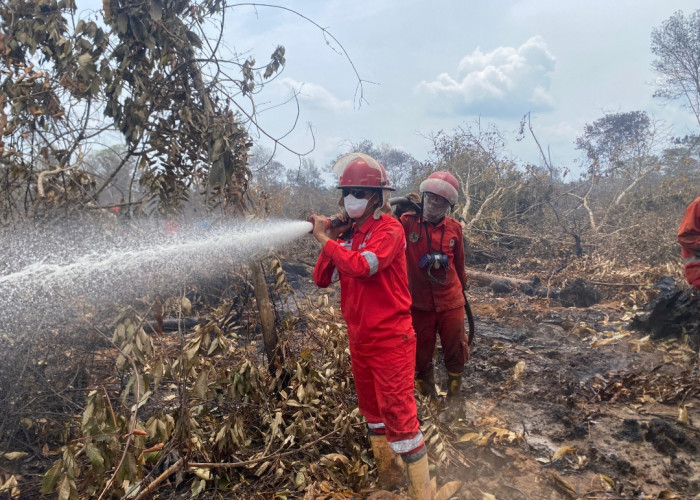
689, 238
438, 281
367, 255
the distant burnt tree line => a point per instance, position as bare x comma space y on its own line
153, 78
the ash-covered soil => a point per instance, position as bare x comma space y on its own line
569, 403
564, 403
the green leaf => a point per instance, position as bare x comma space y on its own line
194, 39
95, 456
67, 489
197, 488
156, 10
122, 23
50, 480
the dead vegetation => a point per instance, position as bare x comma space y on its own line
562, 398
560, 402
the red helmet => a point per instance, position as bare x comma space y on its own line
360, 170
442, 184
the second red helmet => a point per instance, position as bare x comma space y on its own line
443, 184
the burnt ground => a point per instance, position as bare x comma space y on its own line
568, 403
565, 403
559, 403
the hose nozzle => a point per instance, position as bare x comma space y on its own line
332, 222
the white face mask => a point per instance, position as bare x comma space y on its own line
432, 212
355, 207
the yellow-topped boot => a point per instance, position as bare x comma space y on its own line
425, 384
389, 465
454, 385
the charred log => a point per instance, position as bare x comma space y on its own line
674, 314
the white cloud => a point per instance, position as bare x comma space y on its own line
317, 96
505, 81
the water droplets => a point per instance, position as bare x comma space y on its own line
52, 274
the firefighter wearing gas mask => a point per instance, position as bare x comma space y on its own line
437, 281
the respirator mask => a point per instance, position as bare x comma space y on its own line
434, 261
355, 202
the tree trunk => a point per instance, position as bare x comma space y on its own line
486, 279
267, 317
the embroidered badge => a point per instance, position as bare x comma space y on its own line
413, 237
452, 242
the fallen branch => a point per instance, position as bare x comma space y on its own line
261, 459
149, 489
487, 279
57, 170
637, 285
159, 479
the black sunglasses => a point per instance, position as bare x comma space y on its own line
357, 193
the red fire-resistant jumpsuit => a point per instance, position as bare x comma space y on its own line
438, 303
689, 238
375, 302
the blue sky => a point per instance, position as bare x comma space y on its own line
431, 66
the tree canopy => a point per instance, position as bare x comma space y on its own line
676, 45
156, 72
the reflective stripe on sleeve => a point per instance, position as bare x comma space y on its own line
407, 444
380, 425
372, 260
694, 258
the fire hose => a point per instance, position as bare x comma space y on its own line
402, 200
334, 222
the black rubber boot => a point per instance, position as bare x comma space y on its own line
425, 384
454, 385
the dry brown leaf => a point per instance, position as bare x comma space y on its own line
683, 415
608, 341
469, 436
331, 459
667, 495
562, 452
485, 440
519, 370
500, 346
448, 489
487, 496
608, 482
10, 487
562, 485
375, 495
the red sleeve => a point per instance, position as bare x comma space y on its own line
689, 232
324, 268
377, 254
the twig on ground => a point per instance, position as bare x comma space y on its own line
261, 459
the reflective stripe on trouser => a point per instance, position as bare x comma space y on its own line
384, 386
450, 325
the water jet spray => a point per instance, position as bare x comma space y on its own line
50, 276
